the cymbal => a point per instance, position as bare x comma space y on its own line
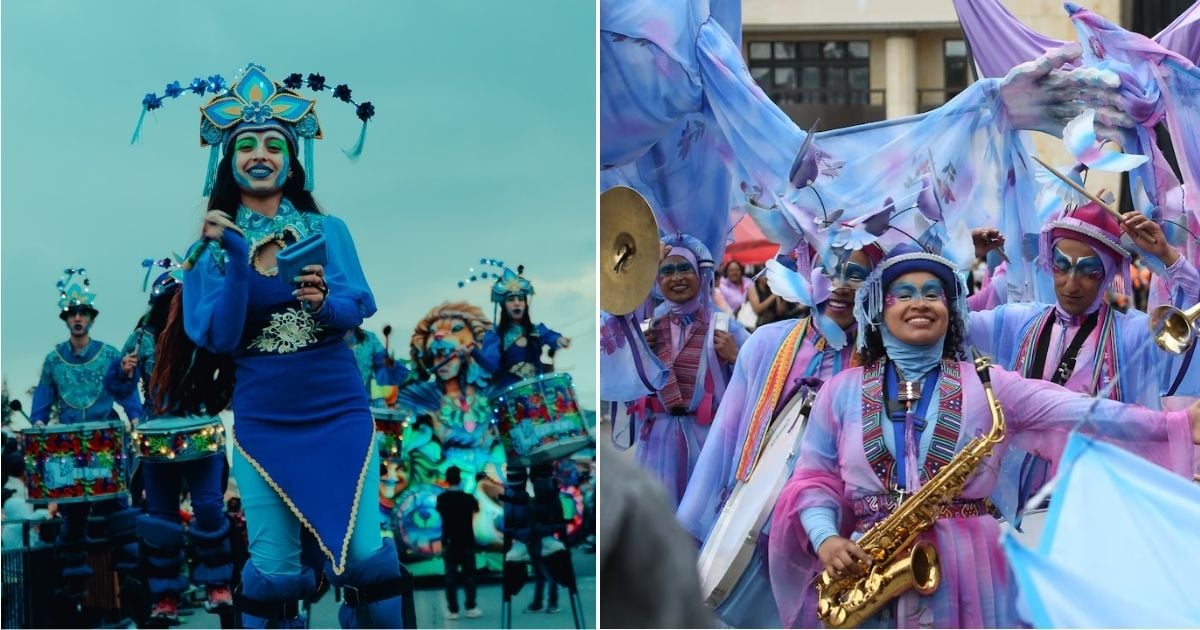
629, 250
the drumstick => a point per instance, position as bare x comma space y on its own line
1083, 191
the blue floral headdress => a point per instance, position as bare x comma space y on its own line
75, 294
172, 275
254, 102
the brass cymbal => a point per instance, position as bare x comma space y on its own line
629, 250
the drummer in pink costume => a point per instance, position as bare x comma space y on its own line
812, 359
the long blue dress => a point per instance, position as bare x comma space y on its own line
301, 415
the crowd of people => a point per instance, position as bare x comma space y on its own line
903, 249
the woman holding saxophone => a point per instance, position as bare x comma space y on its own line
881, 433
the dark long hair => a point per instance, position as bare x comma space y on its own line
227, 196
187, 379
953, 348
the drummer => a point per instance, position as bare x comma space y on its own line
80, 378
810, 358
513, 350
160, 535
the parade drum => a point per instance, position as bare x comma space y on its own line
74, 463
179, 439
389, 430
734, 536
418, 522
540, 420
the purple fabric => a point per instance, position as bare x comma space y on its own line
1183, 35
734, 294
975, 592
999, 41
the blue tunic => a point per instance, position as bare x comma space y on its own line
84, 386
301, 416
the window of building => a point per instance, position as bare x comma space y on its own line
957, 67
818, 72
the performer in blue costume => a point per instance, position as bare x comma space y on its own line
512, 351
377, 369
303, 433
160, 534
80, 378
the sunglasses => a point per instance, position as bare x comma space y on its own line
683, 269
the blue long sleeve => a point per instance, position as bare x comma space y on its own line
214, 299
488, 354
549, 337
45, 394
350, 300
124, 389
820, 523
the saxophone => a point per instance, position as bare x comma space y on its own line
900, 561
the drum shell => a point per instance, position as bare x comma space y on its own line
55, 454
179, 439
540, 420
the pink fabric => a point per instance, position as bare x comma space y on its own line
1183, 35
833, 470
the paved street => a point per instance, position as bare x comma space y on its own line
431, 605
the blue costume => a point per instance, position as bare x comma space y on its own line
160, 535
303, 433
83, 386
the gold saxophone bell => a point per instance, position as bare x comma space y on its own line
1174, 330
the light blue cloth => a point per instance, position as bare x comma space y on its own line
1142, 517
274, 531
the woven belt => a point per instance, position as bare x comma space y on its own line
872, 509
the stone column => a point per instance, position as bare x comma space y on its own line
900, 52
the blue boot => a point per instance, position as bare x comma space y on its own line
372, 589
271, 601
161, 547
214, 564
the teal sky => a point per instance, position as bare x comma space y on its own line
483, 145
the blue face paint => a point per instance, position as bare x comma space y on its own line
930, 291
1082, 267
252, 176
850, 275
683, 269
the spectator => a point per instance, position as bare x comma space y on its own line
457, 509
732, 288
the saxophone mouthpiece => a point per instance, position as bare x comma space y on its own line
982, 363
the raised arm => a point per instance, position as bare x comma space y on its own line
350, 300
215, 295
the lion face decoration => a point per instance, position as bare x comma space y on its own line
443, 339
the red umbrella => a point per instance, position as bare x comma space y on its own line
749, 246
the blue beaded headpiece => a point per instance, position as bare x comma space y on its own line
255, 103
507, 282
75, 294
172, 275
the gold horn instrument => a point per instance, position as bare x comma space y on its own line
899, 560
629, 250
1175, 330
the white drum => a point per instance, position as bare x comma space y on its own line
731, 543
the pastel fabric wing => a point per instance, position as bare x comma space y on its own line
788, 284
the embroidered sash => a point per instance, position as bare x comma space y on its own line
945, 432
681, 381
1104, 363
768, 399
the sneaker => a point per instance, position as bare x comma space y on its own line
518, 553
533, 608
551, 546
217, 597
473, 613
451, 616
165, 609
553, 608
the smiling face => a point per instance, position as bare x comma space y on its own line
733, 272
447, 336
678, 280
1078, 275
845, 281
515, 306
261, 162
915, 310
